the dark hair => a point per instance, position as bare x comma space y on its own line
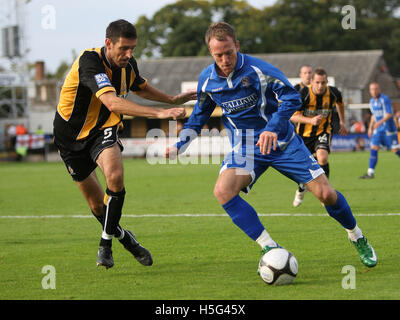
120, 29
219, 31
320, 72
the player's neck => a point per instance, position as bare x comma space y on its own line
109, 59
220, 72
319, 94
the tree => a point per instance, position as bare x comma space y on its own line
287, 26
175, 30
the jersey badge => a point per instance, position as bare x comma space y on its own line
245, 82
102, 80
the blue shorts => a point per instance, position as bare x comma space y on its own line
295, 162
384, 138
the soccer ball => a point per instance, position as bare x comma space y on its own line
278, 266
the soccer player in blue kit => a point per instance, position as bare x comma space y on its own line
257, 102
382, 127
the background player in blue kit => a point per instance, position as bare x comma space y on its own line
382, 127
257, 102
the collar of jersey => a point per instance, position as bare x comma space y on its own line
239, 65
103, 54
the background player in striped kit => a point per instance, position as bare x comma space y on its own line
305, 77
314, 121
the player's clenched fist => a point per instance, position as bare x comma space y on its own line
174, 113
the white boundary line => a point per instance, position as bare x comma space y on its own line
183, 215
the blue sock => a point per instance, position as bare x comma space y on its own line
341, 212
398, 153
373, 159
244, 216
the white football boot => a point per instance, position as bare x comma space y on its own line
298, 198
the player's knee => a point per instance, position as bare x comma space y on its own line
222, 193
323, 161
115, 180
322, 189
328, 195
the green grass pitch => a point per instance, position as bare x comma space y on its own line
44, 221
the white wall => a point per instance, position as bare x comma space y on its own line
43, 118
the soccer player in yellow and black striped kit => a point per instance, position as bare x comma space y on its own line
87, 121
314, 120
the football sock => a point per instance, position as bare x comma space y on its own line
120, 231
373, 159
326, 169
355, 234
244, 216
113, 210
398, 153
265, 240
302, 187
341, 212
99, 218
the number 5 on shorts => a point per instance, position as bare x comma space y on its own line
107, 133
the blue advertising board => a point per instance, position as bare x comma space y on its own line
351, 142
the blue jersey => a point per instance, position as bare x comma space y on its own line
379, 108
255, 96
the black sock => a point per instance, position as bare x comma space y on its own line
326, 169
125, 240
105, 242
112, 214
101, 220
302, 187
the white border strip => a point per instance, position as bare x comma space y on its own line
183, 215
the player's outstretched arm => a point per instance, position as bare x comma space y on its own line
299, 118
154, 94
123, 106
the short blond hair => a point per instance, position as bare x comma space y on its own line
220, 31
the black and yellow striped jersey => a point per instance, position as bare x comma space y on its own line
299, 86
314, 105
80, 111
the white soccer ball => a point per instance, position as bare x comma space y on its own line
278, 266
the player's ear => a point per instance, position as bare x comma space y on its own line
237, 45
108, 43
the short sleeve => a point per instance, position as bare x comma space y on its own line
92, 73
338, 95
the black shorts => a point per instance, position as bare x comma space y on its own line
80, 156
322, 141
